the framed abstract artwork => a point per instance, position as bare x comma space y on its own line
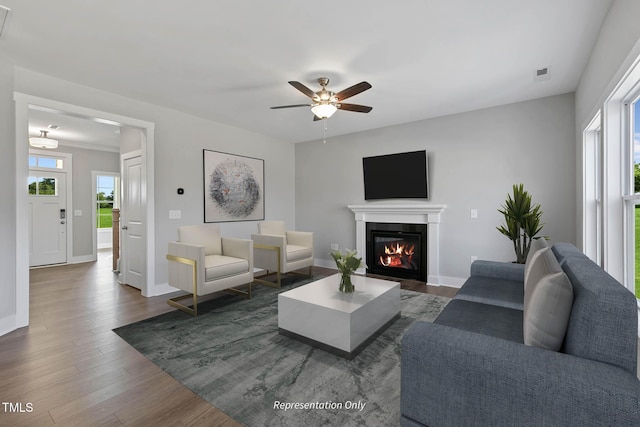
233, 187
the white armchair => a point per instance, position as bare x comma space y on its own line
202, 262
280, 251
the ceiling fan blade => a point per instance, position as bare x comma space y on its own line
290, 106
355, 107
353, 90
302, 88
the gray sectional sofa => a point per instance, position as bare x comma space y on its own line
472, 366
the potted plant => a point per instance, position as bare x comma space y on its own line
347, 263
522, 221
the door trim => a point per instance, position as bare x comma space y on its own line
23, 103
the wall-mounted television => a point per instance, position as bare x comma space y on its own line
396, 176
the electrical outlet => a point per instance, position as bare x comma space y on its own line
175, 214
473, 258
334, 246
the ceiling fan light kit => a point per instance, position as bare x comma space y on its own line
43, 141
326, 102
324, 111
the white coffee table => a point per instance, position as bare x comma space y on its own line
320, 315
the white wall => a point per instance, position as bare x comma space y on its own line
179, 141
7, 195
474, 159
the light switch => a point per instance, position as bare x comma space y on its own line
175, 214
474, 213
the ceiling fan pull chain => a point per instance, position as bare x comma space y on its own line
325, 132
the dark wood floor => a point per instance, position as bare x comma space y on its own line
73, 370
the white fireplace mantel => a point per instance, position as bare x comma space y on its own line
407, 214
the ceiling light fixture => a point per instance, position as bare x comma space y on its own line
324, 110
43, 141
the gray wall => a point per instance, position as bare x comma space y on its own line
474, 159
618, 45
7, 195
84, 162
179, 141
619, 34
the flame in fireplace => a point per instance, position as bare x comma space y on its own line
397, 255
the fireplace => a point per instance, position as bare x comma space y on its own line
416, 213
397, 250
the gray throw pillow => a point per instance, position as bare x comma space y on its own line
548, 301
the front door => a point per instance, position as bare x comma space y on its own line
132, 263
47, 218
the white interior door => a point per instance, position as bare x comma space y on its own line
47, 218
132, 264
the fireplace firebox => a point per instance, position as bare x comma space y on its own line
397, 250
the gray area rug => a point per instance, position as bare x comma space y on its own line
233, 356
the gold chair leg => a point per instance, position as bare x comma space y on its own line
260, 280
173, 302
246, 294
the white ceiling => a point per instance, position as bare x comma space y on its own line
229, 61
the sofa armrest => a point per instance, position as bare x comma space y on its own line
452, 377
300, 238
238, 248
181, 274
265, 251
498, 270
269, 240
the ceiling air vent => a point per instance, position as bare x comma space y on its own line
542, 74
4, 14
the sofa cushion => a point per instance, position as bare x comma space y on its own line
485, 319
295, 253
220, 266
547, 302
536, 246
489, 290
207, 235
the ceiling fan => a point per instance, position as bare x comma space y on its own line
325, 102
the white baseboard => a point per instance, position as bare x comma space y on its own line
453, 282
82, 259
162, 289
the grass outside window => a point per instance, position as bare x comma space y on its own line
105, 218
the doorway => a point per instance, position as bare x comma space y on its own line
49, 191
23, 104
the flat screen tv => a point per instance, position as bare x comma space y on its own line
396, 176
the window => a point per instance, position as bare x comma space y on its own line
592, 184
107, 197
634, 200
45, 162
43, 186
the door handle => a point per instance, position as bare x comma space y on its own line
124, 227
62, 222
